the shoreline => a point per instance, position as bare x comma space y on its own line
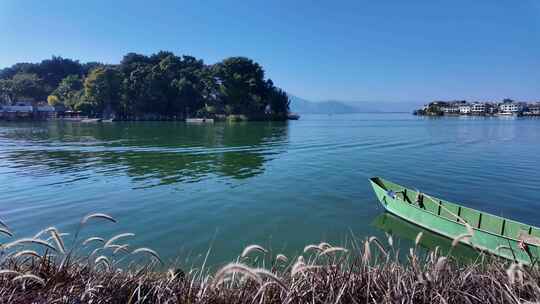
194, 120
507, 107
479, 115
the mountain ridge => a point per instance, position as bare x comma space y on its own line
332, 106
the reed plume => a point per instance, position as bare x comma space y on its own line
3, 224
58, 240
44, 231
379, 245
334, 250
118, 248
149, 252
26, 252
6, 232
252, 248
116, 238
98, 216
272, 276
29, 241
459, 238
312, 247
282, 258
418, 238
93, 239
8, 272
30, 276
390, 240
235, 268
367, 252
324, 245
104, 260
298, 265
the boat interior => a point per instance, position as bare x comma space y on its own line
476, 219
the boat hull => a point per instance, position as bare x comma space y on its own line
452, 228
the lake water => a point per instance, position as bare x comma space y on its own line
185, 188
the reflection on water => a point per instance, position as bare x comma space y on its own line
151, 154
408, 232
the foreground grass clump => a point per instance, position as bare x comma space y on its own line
97, 270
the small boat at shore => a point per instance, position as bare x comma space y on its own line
199, 120
483, 231
293, 116
90, 120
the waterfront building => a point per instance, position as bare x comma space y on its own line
44, 112
26, 110
20, 110
478, 108
534, 108
491, 108
450, 109
465, 109
462, 107
509, 107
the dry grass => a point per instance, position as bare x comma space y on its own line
35, 270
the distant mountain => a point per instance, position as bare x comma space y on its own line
300, 105
303, 106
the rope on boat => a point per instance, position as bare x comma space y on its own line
469, 227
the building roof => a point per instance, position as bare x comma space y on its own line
45, 108
17, 108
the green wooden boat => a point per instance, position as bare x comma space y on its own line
483, 231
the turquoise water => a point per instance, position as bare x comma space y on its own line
185, 188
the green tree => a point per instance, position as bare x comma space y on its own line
69, 91
190, 86
241, 85
189, 99
278, 101
161, 85
53, 70
28, 85
50, 71
102, 91
68, 85
136, 88
7, 91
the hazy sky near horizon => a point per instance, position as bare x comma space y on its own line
348, 50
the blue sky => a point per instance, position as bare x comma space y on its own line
349, 50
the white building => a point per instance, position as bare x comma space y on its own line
19, 107
450, 109
478, 108
509, 107
44, 111
534, 108
464, 109
19, 110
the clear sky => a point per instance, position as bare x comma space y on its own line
348, 50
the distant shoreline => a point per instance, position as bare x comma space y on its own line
507, 107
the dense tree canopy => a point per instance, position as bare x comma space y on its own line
69, 91
161, 85
102, 91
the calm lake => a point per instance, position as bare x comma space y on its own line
185, 188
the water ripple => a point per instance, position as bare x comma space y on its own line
180, 186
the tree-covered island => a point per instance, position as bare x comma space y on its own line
162, 86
